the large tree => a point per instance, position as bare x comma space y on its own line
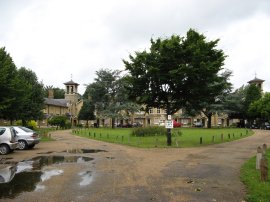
108, 94
87, 111
214, 103
11, 89
261, 108
177, 72
32, 105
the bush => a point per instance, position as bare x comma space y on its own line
149, 131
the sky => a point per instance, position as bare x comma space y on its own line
62, 40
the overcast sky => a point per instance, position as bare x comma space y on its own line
57, 38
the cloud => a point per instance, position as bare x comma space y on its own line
57, 38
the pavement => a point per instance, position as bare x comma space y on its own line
120, 173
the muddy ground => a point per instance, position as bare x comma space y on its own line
121, 173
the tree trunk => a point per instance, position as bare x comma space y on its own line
209, 121
113, 122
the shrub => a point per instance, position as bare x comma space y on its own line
149, 131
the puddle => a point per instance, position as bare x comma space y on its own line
83, 151
26, 176
86, 178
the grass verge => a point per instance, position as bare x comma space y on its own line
257, 191
181, 137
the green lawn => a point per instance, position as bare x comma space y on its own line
44, 134
181, 137
257, 191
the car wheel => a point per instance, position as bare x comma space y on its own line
4, 149
22, 145
31, 146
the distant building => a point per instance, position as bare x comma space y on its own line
69, 106
257, 82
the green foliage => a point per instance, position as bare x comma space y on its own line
256, 190
60, 121
87, 111
109, 96
261, 108
149, 131
21, 93
177, 72
9, 87
57, 92
31, 107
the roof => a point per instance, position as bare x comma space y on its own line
256, 80
71, 82
56, 102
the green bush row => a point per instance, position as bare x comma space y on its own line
148, 131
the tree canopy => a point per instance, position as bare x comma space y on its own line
177, 72
21, 93
108, 94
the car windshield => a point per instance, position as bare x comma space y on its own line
25, 129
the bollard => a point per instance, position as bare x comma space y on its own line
264, 169
233, 135
122, 138
156, 142
200, 140
258, 157
94, 135
229, 136
213, 139
221, 137
107, 136
264, 149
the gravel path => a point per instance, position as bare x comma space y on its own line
124, 173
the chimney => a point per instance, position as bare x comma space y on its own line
50, 94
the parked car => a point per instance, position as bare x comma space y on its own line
26, 137
266, 126
176, 124
8, 141
198, 125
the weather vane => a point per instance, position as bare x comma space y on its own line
71, 76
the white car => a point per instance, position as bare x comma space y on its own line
7, 140
26, 137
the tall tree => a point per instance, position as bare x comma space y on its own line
10, 89
108, 95
87, 111
31, 108
253, 93
176, 73
261, 108
214, 103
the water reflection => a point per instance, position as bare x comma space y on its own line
86, 178
80, 151
27, 175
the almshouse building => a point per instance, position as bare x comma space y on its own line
69, 106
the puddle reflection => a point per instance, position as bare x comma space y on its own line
86, 177
27, 175
80, 151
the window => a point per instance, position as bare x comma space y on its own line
158, 110
2, 130
150, 110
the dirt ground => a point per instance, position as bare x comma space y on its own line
122, 173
